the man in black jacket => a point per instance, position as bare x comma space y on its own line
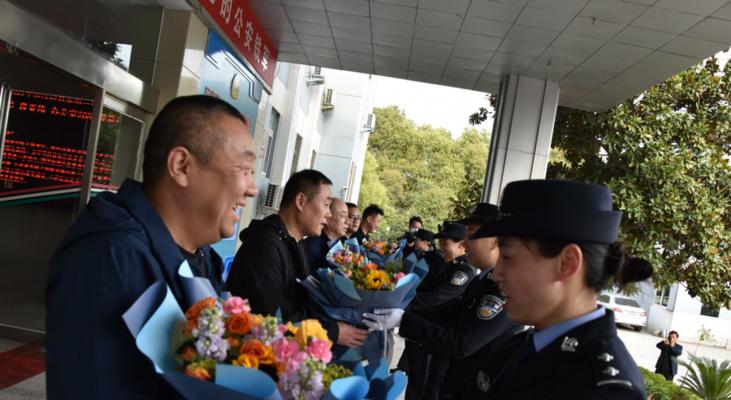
369, 223
317, 247
670, 350
271, 257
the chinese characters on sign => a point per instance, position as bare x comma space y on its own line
45, 144
238, 22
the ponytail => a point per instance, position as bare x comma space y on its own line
605, 264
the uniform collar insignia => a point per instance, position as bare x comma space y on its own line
569, 344
606, 357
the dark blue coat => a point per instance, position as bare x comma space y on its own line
587, 362
115, 250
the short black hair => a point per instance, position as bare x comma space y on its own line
671, 333
415, 218
307, 181
190, 122
351, 205
371, 211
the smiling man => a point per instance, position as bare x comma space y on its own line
198, 169
272, 256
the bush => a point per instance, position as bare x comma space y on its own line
662, 389
708, 379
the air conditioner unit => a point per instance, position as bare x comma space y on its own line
328, 100
273, 197
343, 192
315, 77
370, 123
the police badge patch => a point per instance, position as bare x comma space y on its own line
490, 306
459, 278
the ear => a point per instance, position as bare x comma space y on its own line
179, 165
300, 201
493, 243
570, 262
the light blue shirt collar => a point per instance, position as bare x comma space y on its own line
543, 338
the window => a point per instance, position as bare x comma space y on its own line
622, 301
604, 298
662, 295
273, 126
709, 311
296, 156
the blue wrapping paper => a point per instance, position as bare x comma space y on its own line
335, 297
156, 320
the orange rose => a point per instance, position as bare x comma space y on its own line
189, 353
195, 310
239, 324
234, 342
198, 372
254, 348
371, 266
246, 360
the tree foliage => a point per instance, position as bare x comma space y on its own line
422, 170
665, 156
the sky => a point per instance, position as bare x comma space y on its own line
436, 105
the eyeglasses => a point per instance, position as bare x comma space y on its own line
354, 217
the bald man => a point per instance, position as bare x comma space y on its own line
317, 247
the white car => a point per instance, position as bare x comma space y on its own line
626, 311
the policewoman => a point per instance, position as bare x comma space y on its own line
451, 334
558, 248
442, 287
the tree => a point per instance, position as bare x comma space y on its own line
665, 156
422, 169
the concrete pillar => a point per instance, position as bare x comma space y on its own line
521, 134
147, 26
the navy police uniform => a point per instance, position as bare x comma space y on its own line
579, 358
587, 362
456, 331
443, 286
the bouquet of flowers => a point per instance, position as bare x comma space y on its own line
295, 356
219, 349
382, 252
364, 275
351, 289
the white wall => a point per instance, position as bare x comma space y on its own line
343, 140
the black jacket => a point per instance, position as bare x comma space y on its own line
456, 332
587, 362
316, 249
667, 363
265, 271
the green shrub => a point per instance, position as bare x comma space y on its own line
662, 389
708, 379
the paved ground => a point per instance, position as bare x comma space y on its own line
640, 344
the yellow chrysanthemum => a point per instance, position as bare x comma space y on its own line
310, 328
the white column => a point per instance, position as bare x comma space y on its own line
521, 134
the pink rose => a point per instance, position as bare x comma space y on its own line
398, 276
236, 305
320, 350
284, 349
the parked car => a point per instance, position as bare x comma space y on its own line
626, 311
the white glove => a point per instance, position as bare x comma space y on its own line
383, 318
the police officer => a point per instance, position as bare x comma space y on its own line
423, 241
442, 287
558, 247
455, 332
